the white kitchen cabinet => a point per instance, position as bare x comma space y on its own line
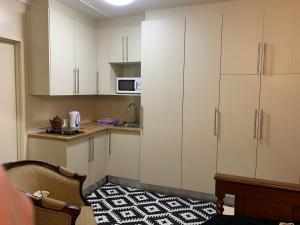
86, 58
86, 156
62, 54
124, 155
162, 74
78, 157
201, 95
281, 37
98, 164
125, 44
242, 37
278, 149
239, 106
104, 78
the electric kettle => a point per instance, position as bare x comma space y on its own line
74, 119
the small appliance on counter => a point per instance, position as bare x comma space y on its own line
56, 123
129, 85
74, 120
58, 126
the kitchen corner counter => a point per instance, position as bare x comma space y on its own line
87, 131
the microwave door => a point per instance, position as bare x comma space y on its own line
126, 86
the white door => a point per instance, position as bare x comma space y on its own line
201, 95
278, 150
98, 164
62, 55
242, 33
8, 135
162, 74
117, 45
281, 34
78, 157
133, 44
86, 58
124, 158
239, 105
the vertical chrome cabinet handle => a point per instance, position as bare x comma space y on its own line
93, 149
255, 124
74, 80
109, 145
90, 150
127, 48
123, 49
265, 45
259, 58
142, 118
78, 80
261, 124
97, 86
215, 122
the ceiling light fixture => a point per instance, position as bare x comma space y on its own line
120, 2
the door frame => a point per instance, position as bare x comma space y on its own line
20, 96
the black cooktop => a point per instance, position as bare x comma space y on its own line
64, 131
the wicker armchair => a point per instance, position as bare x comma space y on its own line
65, 204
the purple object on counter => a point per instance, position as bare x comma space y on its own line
108, 122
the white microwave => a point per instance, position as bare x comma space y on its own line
129, 85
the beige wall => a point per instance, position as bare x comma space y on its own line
116, 107
42, 108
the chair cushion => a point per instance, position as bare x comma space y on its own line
86, 216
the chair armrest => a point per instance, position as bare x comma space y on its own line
55, 205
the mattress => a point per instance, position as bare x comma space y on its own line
234, 220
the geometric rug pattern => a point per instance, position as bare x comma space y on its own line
115, 204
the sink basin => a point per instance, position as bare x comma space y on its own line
130, 125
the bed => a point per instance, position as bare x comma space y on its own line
257, 202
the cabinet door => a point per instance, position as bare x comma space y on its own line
239, 100
117, 45
278, 150
242, 33
281, 34
78, 156
124, 156
62, 54
162, 74
103, 62
86, 59
133, 44
201, 94
99, 157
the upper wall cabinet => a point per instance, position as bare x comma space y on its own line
281, 37
63, 55
242, 37
125, 44
86, 58
261, 37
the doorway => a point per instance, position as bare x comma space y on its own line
8, 100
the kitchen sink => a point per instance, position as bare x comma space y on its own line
130, 125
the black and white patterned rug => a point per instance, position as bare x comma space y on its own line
115, 204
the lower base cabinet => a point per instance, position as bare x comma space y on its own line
114, 154
124, 156
86, 156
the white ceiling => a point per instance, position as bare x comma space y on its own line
102, 10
